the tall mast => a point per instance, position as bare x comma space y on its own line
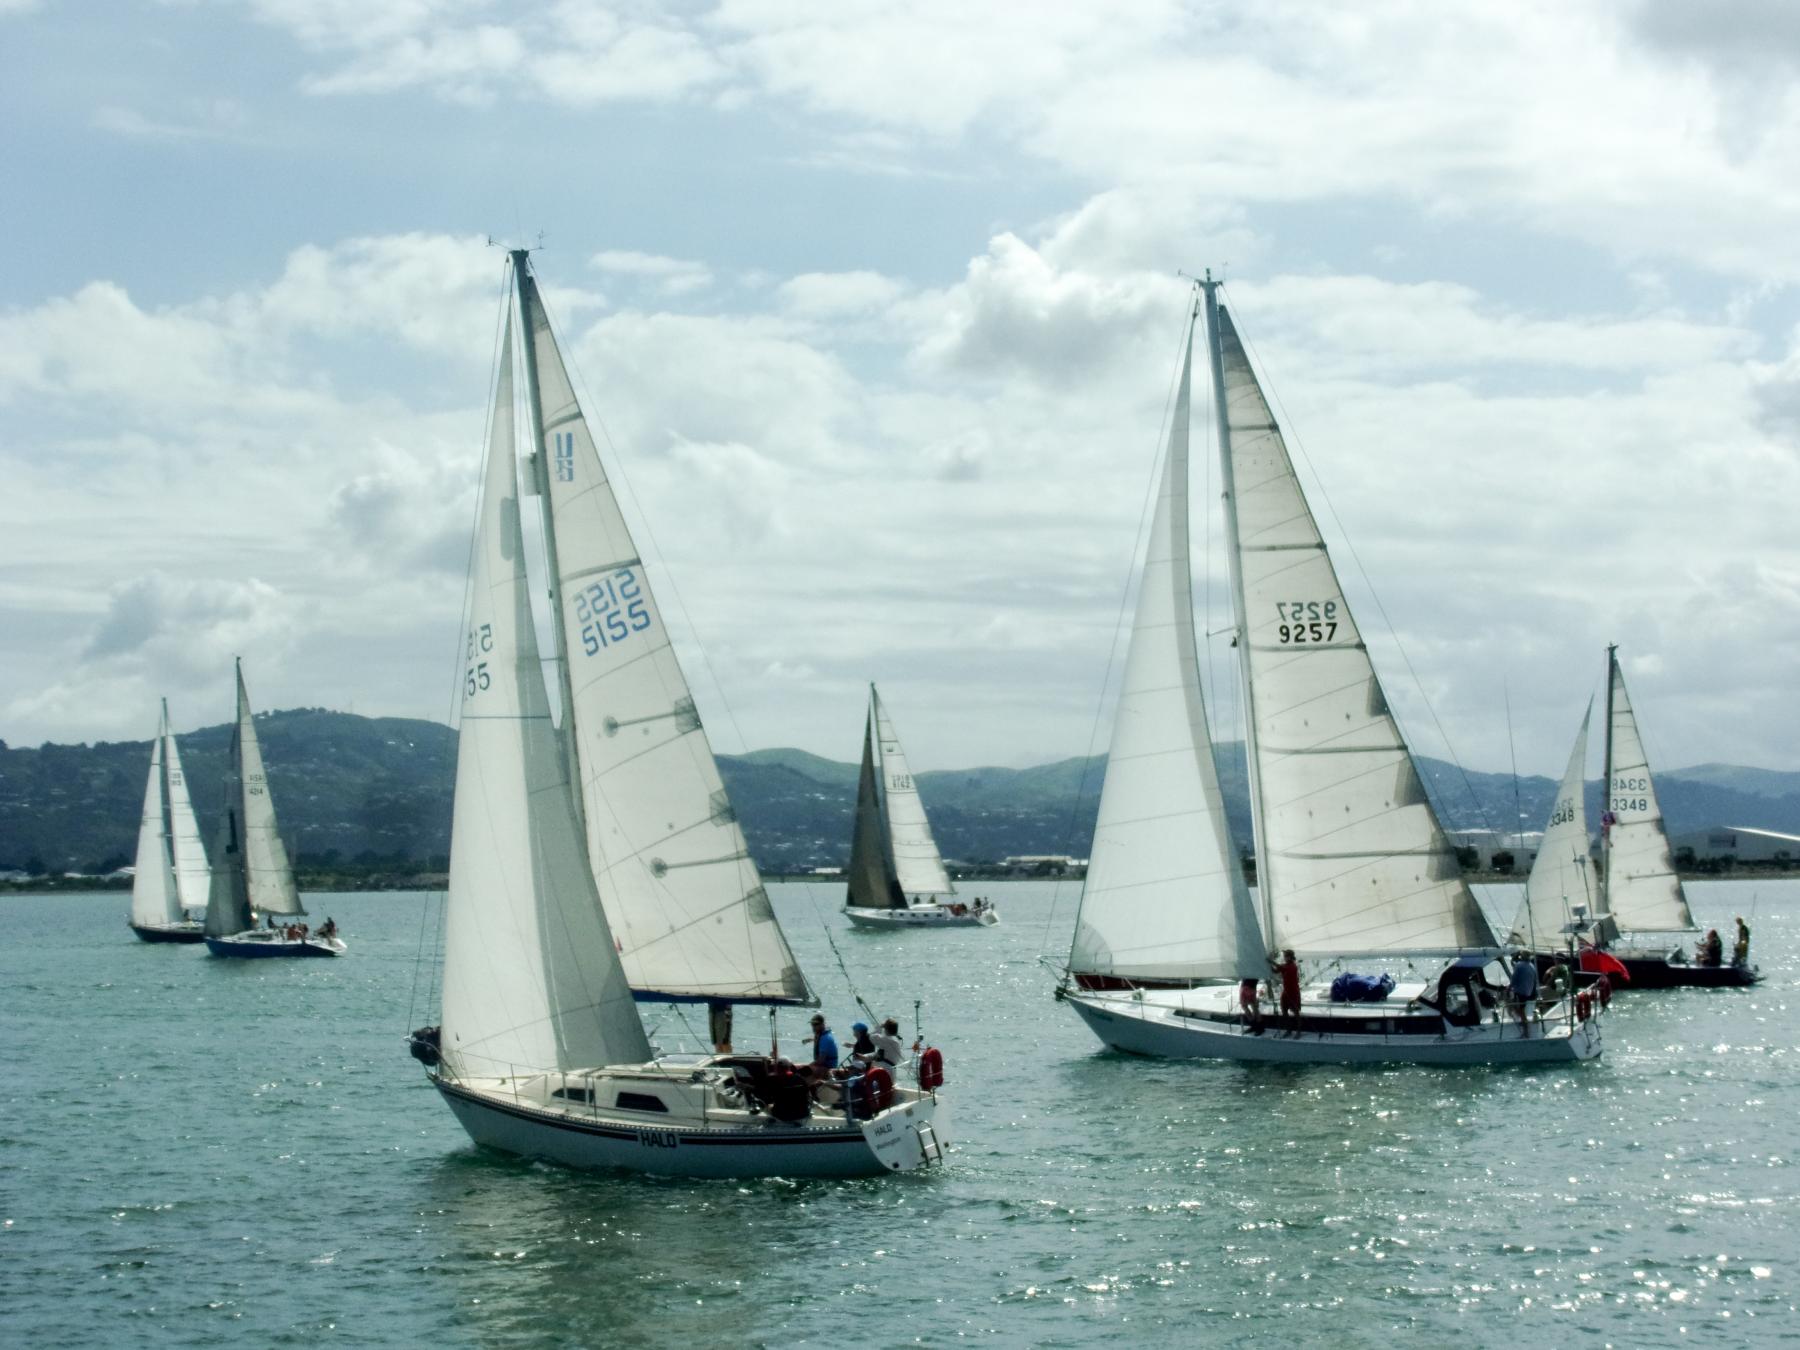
540, 485
1612, 665
1216, 356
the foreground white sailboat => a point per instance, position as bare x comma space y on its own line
896, 870
1356, 873
172, 874
597, 862
251, 873
1645, 923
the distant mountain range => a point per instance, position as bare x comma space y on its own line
376, 791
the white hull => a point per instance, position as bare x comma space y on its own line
921, 916
1202, 1024
720, 1139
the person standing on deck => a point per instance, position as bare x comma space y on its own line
1740, 951
825, 1050
1524, 989
1288, 969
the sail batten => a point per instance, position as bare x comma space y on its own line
648, 781
1165, 897
1333, 780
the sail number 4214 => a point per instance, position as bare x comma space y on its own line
1305, 621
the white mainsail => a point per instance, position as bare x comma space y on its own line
918, 865
268, 876
1165, 897
1351, 857
1643, 893
531, 976
685, 902
154, 898
193, 874
1560, 878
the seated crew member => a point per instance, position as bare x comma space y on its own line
788, 1095
888, 1053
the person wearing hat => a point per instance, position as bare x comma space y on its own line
862, 1047
888, 1053
825, 1050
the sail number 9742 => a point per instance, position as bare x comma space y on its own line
1306, 621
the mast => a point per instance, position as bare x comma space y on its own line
1606, 811
1241, 627
540, 487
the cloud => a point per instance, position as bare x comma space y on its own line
222, 119
671, 276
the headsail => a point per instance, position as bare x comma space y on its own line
1165, 897
917, 862
268, 876
1643, 893
685, 901
531, 977
154, 898
193, 874
1351, 856
873, 883
1561, 873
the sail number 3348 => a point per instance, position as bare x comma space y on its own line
1306, 621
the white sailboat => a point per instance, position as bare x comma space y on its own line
1649, 927
896, 872
172, 874
1561, 898
251, 873
1354, 869
595, 862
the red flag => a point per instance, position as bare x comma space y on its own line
1597, 962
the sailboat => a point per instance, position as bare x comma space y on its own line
1645, 922
894, 862
1354, 869
1561, 901
171, 876
251, 873
595, 860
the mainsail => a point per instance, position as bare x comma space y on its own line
154, 897
193, 874
1642, 892
252, 871
1560, 878
873, 881
1165, 898
531, 977
1350, 855
917, 863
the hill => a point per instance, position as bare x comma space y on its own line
377, 791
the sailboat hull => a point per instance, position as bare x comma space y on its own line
1657, 973
169, 932
264, 943
498, 1116
920, 916
1198, 1025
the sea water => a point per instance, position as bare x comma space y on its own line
197, 1151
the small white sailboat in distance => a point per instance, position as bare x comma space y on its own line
1354, 869
896, 871
541, 1051
172, 874
251, 873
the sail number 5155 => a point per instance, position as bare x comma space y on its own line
475, 675
1306, 621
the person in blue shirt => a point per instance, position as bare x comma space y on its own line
825, 1050
1524, 989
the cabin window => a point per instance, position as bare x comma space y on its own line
641, 1101
569, 1094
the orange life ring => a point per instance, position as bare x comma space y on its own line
931, 1069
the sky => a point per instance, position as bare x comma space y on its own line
880, 308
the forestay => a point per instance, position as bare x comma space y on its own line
872, 882
684, 899
1356, 860
1165, 897
1560, 878
918, 865
1643, 894
531, 979
154, 898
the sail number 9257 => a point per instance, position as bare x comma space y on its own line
1306, 621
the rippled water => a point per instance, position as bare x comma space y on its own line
203, 1152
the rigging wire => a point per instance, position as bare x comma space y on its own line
1518, 809
839, 958
1112, 655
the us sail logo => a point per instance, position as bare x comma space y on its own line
565, 456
